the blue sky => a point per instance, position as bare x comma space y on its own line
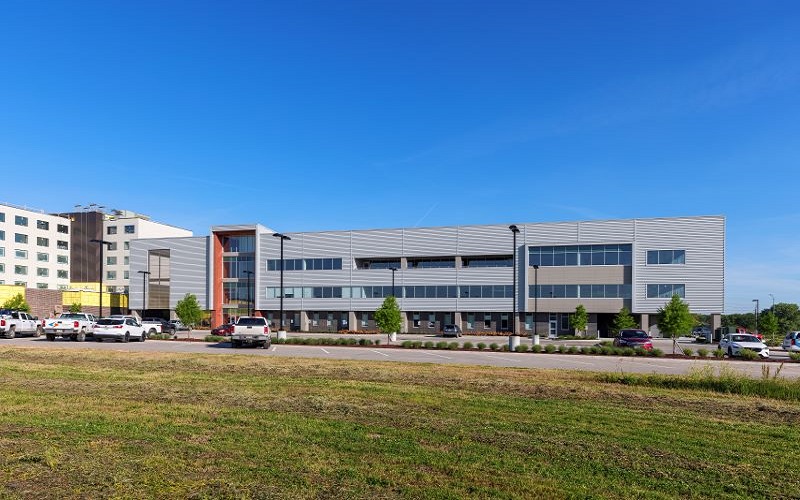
343, 115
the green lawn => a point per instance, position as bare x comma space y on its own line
100, 424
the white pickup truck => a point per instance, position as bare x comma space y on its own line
75, 326
13, 323
251, 330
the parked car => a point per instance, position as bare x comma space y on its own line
177, 325
75, 326
634, 338
451, 331
13, 323
734, 343
251, 330
119, 329
223, 330
153, 325
791, 343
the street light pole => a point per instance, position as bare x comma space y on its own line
102, 243
249, 302
144, 291
282, 237
756, 301
514, 230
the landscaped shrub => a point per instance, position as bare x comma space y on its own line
562, 348
655, 352
536, 348
748, 354
493, 346
572, 349
481, 346
794, 356
640, 351
549, 348
594, 350
719, 353
467, 345
628, 351
522, 348
687, 351
214, 338
362, 341
416, 344
428, 345
406, 344
702, 352
606, 343
607, 350
453, 345
441, 345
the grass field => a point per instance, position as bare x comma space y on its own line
101, 424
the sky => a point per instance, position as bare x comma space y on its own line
307, 116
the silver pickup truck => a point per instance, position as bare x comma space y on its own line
13, 323
75, 326
251, 330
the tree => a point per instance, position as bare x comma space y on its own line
76, 307
17, 303
675, 319
623, 320
188, 310
388, 317
788, 316
579, 320
768, 324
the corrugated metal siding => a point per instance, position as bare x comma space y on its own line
703, 238
609, 231
430, 242
188, 268
545, 233
486, 240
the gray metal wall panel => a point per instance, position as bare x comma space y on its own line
550, 233
188, 268
486, 240
430, 242
377, 243
609, 231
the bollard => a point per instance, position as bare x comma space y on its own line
513, 342
536, 339
281, 334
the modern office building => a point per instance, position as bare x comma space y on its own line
34, 248
335, 280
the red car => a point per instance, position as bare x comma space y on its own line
634, 338
223, 330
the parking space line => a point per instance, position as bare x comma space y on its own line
379, 352
324, 350
273, 348
437, 355
495, 356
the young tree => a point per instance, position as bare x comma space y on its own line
788, 316
188, 310
388, 317
17, 303
768, 324
579, 320
75, 307
623, 320
674, 319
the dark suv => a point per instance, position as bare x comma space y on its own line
451, 331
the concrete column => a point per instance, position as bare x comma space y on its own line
352, 321
404, 323
303, 321
716, 321
645, 323
457, 320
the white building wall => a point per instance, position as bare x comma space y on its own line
39, 256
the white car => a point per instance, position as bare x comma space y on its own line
734, 343
791, 343
120, 329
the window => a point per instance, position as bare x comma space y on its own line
665, 291
20, 269
111, 261
487, 291
111, 275
62, 259
2, 268
432, 262
415, 318
21, 283
490, 261
42, 271
62, 245
239, 244
112, 246
20, 220
377, 263
2, 252
564, 321
126, 275
431, 320
130, 229
42, 224
487, 321
529, 322
111, 230
126, 260
21, 238
42, 257
62, 228
2, 217
580, 291
663, 257
364, 319
62, 274
2, 235
42, 242
304, 264
21, 254
125, 246
41, 285
581, 255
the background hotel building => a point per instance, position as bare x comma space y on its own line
461, 274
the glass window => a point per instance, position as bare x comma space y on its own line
487, 321
20, 220
42, 257
130, 229
112, 246
126, 275
42, 242
42, 271
111, 230
62, 245
126, 245
111, 275
63, 274
62, 228
41, 285
20, 269
111, 261
20, 238
21, 254
126, 260
664, 257
2, 235
2, 252
2, 217
42, 224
